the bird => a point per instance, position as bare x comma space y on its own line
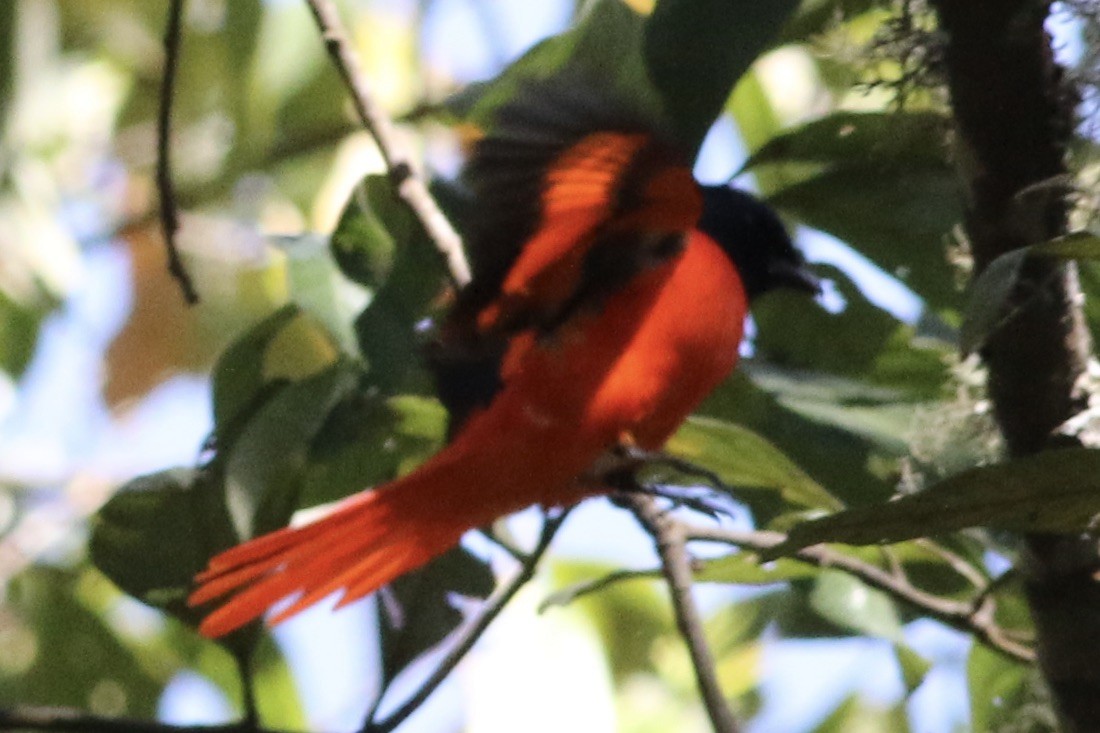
608, 299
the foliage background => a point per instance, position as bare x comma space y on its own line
108, 374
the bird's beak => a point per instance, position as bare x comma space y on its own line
795, 276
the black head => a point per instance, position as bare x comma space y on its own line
755, 239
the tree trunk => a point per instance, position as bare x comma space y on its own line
1015, 113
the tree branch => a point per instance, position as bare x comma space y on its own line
466, 638
669, 539
169, 216
972, 618
410, 187
1015, 112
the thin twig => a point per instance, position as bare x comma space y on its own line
26, 717
169, 216
670, 539
473, 631
567, 595
410, 187
958, 615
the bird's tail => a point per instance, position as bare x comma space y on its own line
366, 542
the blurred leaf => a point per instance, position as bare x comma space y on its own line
380, 244
1080, 245
723, 37
239, 374
8, 44
281, 699
850, 604
856, 716
1053, 491
156, 532
630, 617
59, 653
991, 290
266, 465
19, 325
743, 459
816, 16
793, 331
416, 611
606, 40
989, 294
832, 455
913, 666
1000, 690
368, 440
375, 223
883, 184
746, 568
857, 139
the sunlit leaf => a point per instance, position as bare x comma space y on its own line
746, 568
369, 439
913, 666
745, 460
834, 456
850, 604
266, 465
1000, 692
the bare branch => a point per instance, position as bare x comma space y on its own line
410, 187
169, 216
967, 617
669, 538
472, 632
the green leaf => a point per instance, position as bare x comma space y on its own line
743, 459
722, 37
19, 325
746, 568
850, 604
58, 652
989, 294
831, 453
382, 245
605, 40
861, 139
156, 532
1053, 491
1080, 245
1000, 690
416, 612
795, 332
265, 467
629, 617
239, 374
368, 440
912, 665
854, 715
374, 225
882, 183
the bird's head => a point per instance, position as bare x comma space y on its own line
755, 239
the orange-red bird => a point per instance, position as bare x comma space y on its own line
609, 299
